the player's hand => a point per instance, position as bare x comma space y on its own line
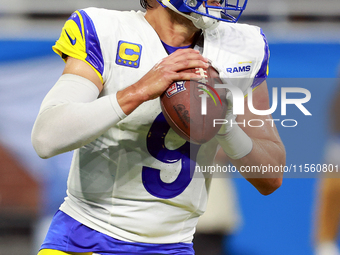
168, 70
230, 117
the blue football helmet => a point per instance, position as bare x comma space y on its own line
205, 15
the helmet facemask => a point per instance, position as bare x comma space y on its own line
205, 15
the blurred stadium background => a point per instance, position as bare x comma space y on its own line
304, 38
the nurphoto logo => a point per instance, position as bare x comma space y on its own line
238, 105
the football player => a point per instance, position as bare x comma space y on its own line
130, 187
327, 217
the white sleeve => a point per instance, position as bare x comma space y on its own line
72, 115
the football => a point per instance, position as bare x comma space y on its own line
190, 107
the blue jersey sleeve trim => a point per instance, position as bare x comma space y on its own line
262, 74
93, 50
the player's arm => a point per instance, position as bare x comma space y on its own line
328, 216
256, 146
72, 115
153, 84
328, 200
268, 149
160, 77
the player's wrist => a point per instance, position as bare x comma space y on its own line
130, 98
116, 106
226, 128
234, 141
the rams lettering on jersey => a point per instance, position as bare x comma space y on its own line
239, 69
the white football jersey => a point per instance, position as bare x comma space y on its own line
137, 181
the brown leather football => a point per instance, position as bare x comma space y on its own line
190, 107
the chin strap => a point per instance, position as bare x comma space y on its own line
200, 21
